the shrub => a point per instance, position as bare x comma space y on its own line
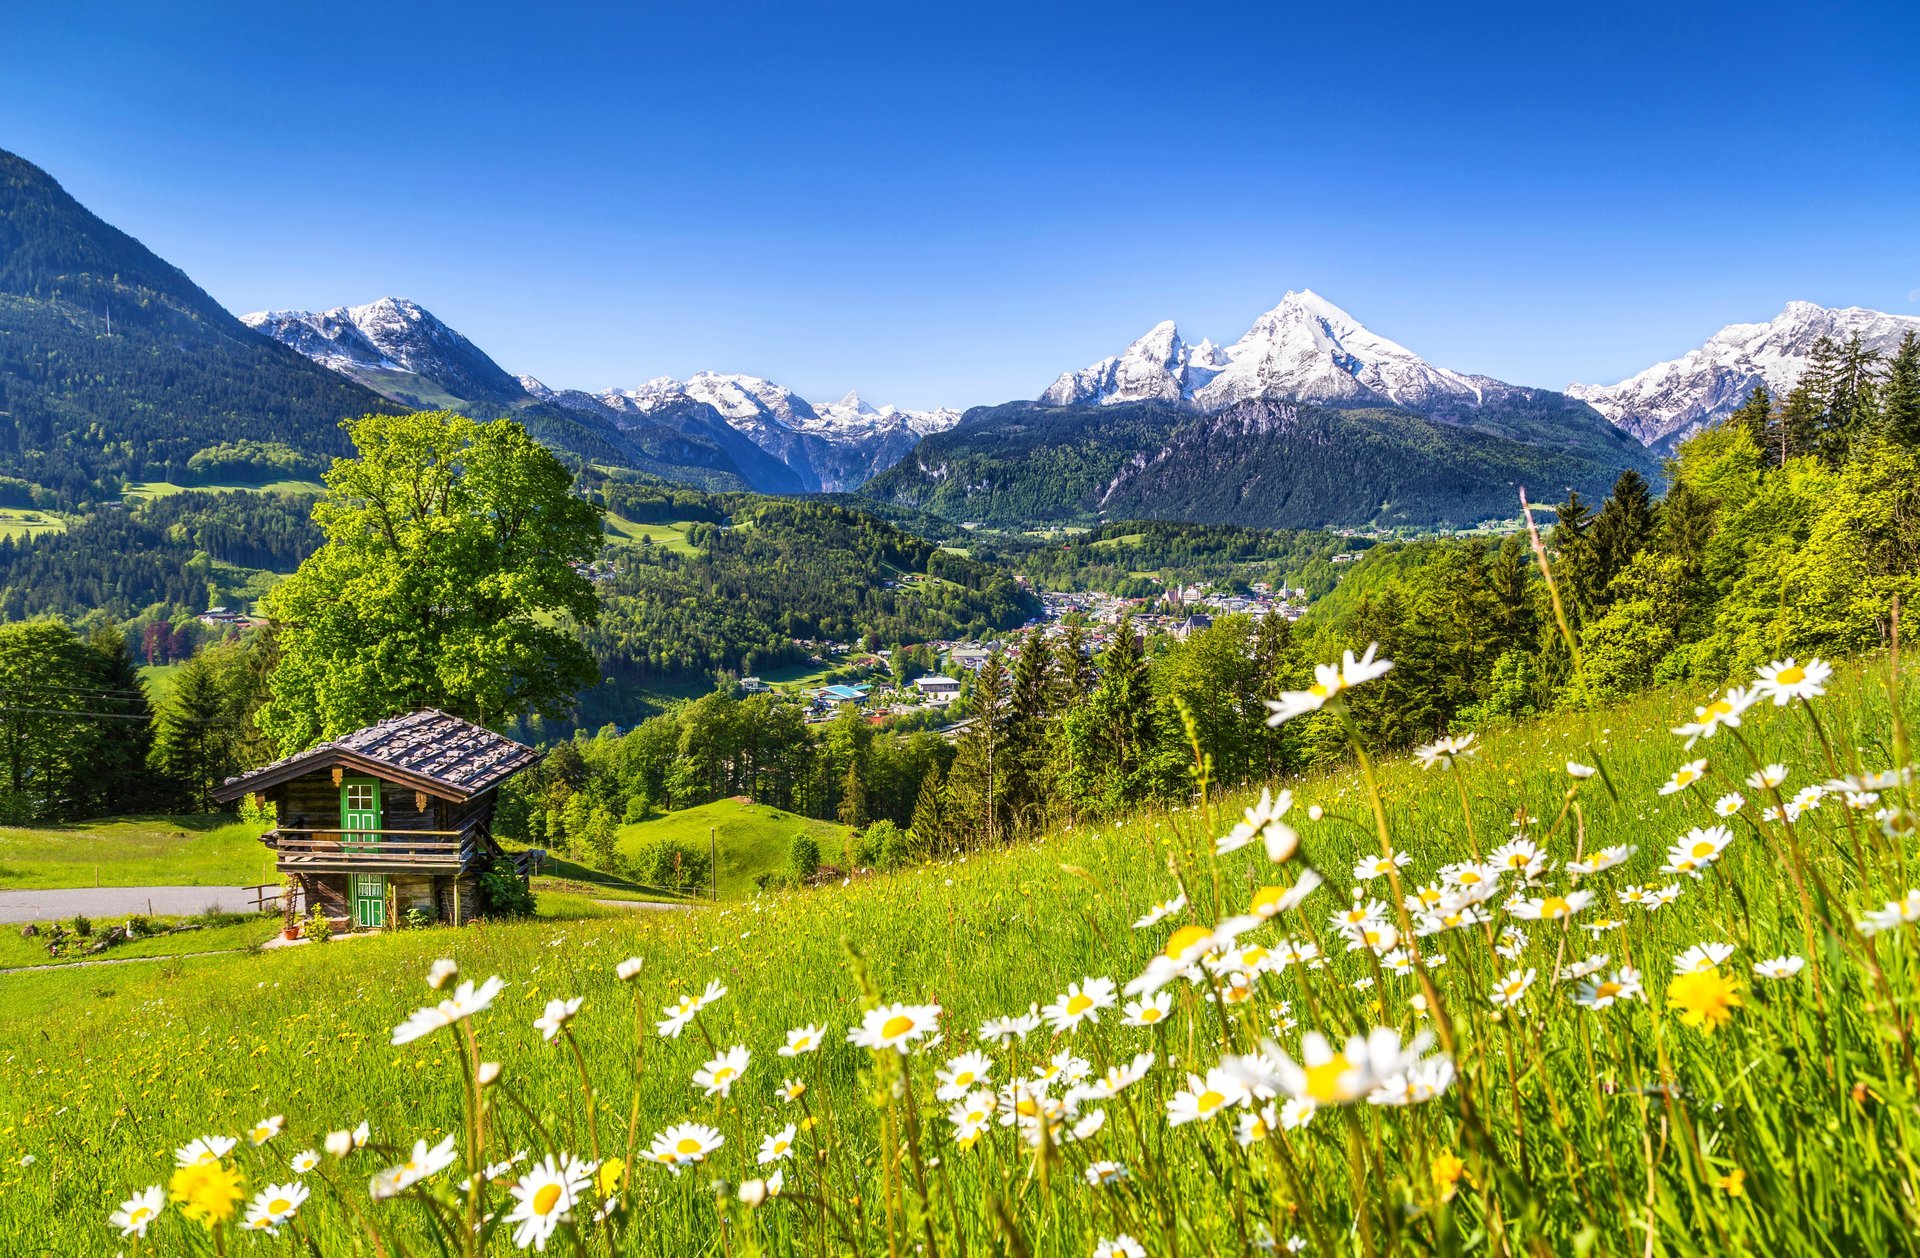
887, 846
504, 893
82, 925
663, 862
803, 857
319, 927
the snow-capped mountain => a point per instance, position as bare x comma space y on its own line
1670, 401
771, 436
1305, 349
832, 447
384, 342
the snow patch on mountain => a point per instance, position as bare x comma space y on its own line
1671, 400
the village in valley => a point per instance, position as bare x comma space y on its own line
869, 681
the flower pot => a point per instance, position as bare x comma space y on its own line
291, 932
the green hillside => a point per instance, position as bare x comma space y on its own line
114, 366
752, 839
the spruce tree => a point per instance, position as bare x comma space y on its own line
928, 826
1756, 416
192, 747
853, 796
1622, 530
1072, 666
1029, 735
1900, 396
1510, 578
120, 779
975, 812
1686, 523
1574, 560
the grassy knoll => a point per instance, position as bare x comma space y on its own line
179, 851
1782, 1124
752, 838
669, 536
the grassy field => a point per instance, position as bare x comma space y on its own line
220, 935
1755, 1115
183, 851
23, 524
752, 838
166, 489
670, 536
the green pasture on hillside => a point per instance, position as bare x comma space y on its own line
752, 839
140, 489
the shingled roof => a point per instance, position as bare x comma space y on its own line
429, 749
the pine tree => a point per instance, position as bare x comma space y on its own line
928, 826
1029, 734
120, 779
1900, 396
1686, 524
1852, 406
1510, 578
192, 748
1072, 667
1622, 530
1110, 738
853, 796
975, 809
1756, 416
1574, 560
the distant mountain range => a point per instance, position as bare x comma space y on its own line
1670, 401
774, 439
114, 367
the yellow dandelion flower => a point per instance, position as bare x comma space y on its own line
1706, 999
1733, 1183
206, 1192
1447, 1170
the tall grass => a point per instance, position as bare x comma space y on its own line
1789, 1127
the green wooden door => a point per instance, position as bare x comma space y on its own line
359, 814
369, 900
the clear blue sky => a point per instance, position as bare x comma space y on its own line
951, 203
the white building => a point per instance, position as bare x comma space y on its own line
938, 689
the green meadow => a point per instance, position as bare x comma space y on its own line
181, 851
1722, 1113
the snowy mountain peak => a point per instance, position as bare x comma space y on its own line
387, 337
1671, 400
1306, 349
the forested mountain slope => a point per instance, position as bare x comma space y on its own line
1259, 462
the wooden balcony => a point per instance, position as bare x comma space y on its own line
375, 851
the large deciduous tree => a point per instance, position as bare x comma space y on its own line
446, 581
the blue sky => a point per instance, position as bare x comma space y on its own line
949, 204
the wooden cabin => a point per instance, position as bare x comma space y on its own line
390, 818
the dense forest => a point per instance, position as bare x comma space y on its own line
771, 570
1259, 463
171, 556
1138, 558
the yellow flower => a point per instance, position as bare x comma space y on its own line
1446, 1171
609, 1177
1733, 1183
206, 1191
1706, 998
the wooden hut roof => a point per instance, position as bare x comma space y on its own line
429, 750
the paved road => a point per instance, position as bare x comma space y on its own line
102, 903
